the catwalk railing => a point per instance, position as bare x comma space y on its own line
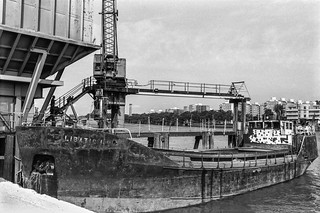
227, 161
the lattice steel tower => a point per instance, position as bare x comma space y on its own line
109, 71
109, 35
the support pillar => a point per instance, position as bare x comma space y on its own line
17, 163
243, 120
34, 83
197, 141
207, 140
161, 140
114, 116
74, 112
121, 116
8, 169
117, 110
17, 108
235, 119
49, 96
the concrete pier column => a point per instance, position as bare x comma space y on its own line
244, 112
207, 140
161, 140
8, 169
211, 140
243, 122
235, 115
156, 143
197, 141
235, 121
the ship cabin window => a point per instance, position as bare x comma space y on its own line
288, 125
43, 164
259, 125
255, 125
276, 125
268, 125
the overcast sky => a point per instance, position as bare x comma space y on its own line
271, 45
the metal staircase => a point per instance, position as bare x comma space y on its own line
75, 93
67, 99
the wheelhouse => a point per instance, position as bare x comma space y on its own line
271, 132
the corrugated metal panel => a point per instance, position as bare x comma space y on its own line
87, 21
47, 17
75, 19
14, 16
64, 18
30, 15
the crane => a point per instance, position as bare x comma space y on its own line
109, 71
109, 86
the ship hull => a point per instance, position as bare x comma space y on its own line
104, 173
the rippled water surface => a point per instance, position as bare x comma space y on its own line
299, 195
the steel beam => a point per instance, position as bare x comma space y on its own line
34, 82
28, 55
45, 82
11, 53
59, 59
49, 95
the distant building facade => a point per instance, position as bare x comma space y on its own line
293, 110
196, 107
202, 108
226, 106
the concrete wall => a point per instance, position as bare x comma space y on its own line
12, 96
66, 18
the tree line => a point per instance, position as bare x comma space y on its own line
170, 118
219, 116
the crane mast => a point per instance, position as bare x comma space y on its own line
109, 35
109, 72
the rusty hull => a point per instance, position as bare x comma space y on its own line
105, 173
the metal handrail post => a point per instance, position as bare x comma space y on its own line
231, 161
255, 158
201, 160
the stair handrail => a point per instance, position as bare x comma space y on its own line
85, 83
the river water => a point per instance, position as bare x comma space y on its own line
299, 195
